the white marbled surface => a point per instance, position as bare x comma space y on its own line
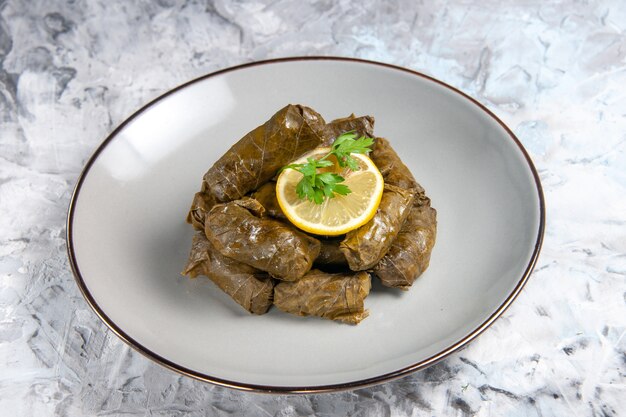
70, 71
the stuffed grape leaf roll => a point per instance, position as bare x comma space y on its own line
266, 195
249, 287
409, 254
200, 206
363, 126
239, 230
330, 254
337, 297
255, 158
392, 168
365, 246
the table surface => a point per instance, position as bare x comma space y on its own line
71, 71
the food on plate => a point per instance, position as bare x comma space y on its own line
392, 168
367, 245
250, 288
409, 254
240, 230
362, 126
338, 296
301, 214
254, 159
266, 195
330, 254
336, 216
200, 206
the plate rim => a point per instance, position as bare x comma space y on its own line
273, 389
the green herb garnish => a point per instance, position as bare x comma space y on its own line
316, 186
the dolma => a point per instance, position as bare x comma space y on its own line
363, 126
365, 246
392, 168
249, 287
330, 254
200, 206
254, 160
239, 230
332, 296
266, 195
409, 254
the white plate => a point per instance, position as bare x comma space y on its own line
127, 238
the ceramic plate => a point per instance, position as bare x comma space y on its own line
128, 240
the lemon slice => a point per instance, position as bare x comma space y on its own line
338, 215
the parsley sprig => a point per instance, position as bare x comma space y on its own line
315, 186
